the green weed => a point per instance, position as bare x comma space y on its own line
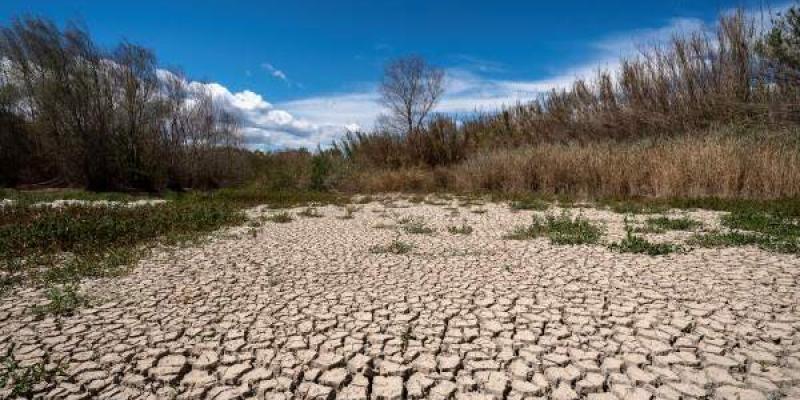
63, 301
562, 230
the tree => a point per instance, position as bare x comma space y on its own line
781, 46
409, 90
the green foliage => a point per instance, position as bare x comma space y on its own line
639, 245
397, 246
88, 230
61, 245
763, 222
23, 379
321, 168
781, 44
769, 231
673, 224
562, 230
64, 301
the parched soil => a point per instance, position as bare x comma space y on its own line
306, 310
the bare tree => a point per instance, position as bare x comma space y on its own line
409, 90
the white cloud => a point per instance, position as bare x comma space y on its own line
321, 119
265, 126
276, 73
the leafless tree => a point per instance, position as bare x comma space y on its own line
75, 114
409, 90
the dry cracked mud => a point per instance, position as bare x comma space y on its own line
306, 310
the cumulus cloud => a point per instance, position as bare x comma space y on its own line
265, 126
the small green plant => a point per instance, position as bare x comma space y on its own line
397, 246
529, 204
281, 217
310, 212
417, 227
673, 224
639, 245
64, 301
463, 229
23, 379
562, 230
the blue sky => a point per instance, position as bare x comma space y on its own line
301, 72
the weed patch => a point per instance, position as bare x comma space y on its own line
562, 230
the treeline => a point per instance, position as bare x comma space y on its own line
734, 75
74, 114
709, 113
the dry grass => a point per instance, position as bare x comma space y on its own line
719, 164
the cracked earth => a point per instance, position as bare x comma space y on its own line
306, 310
